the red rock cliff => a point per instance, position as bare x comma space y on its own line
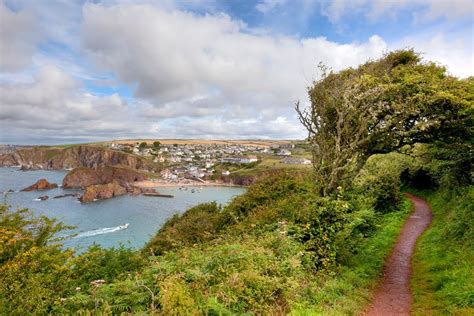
83, 177
72, 157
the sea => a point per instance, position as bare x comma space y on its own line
125, 220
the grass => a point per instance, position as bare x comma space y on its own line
443, 273
272, 163
350, 290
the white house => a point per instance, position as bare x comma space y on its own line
283, 152
248, 159
296, 161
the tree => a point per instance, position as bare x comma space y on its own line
142, 145
156, 144
380, 107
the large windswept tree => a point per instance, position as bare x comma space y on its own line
380, 107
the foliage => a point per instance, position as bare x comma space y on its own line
380, 179
106, 264
443, 282
33, 273
380, 107
142, 145
198, 224
20, 232
36, 273
156, 144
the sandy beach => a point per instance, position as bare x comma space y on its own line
179, 183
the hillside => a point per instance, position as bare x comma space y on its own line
70, 157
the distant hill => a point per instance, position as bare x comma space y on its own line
91, 156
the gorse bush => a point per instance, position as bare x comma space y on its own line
36, 273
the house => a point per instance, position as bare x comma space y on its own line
287, 146
159, 159
248, 159
296, 161
283, 152
166, 174
175, 159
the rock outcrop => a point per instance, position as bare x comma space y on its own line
41, 184
66, 195
102, 191
72, 157
84, 177
103, 182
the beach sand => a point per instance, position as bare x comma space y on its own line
180, 183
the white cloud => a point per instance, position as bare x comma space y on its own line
211, 66
19, 34
453, 52
267, 5
422, 10
192, 75
53, 106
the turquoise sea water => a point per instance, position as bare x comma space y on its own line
102, 222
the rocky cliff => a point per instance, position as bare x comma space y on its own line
102, 191
72, 157
83, 177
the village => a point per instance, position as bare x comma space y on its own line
188, 163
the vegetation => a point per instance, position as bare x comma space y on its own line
294, 243
276, 249
142, 145
443, 278
380, 107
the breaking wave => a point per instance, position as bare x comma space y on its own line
100, 231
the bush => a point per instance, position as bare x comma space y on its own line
34, 270
106, 264
379, 180
196, 225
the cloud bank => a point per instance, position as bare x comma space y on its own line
188, 74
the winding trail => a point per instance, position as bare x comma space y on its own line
393, 296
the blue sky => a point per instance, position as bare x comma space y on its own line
74, 71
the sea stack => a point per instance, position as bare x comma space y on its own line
41, 184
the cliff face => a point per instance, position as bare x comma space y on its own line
83, 177
102, 191
72, 157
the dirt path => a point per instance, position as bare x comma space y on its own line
393, 297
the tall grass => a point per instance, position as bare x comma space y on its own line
443, 265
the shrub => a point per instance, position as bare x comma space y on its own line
107, 264
198, 224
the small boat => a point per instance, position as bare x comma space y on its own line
124, 226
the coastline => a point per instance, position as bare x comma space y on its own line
181, 183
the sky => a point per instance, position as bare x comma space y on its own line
83, 71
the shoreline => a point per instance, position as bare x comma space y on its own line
182, 183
